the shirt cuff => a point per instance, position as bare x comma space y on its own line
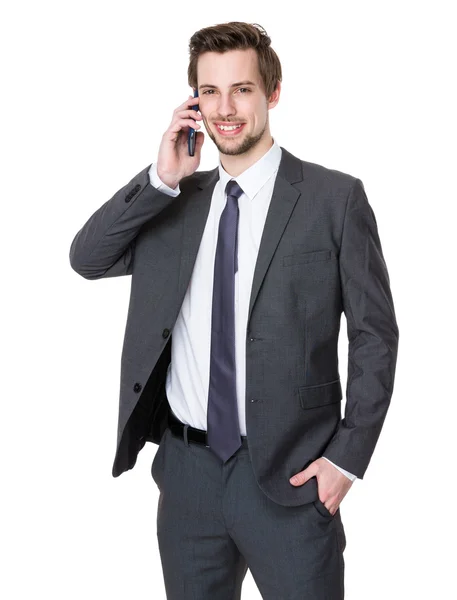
348, 475
159, 184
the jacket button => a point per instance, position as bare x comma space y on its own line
165, 333
130, 195
253, 399
137, 387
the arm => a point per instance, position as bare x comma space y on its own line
105, 245
372, 333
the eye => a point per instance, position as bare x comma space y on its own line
207, 91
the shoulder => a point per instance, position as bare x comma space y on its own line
329, 181
321, 178
323, 173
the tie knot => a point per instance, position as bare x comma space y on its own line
233, 189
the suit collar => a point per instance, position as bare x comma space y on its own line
290, 169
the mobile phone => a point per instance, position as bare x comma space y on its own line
192, 135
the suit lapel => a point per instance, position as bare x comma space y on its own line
282, 203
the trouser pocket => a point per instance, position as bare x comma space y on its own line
158, 462
322, 509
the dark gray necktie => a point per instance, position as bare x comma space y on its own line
224, 437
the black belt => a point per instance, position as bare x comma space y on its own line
193, 435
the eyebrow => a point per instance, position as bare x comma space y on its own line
207, 85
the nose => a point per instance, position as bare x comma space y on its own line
226, 107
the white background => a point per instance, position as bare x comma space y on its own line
88, 90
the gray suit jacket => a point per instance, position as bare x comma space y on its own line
320, 254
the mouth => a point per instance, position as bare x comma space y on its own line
230, 132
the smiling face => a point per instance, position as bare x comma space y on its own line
231, 92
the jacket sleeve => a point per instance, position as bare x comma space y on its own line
105, 245
372, 334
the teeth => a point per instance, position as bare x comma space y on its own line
226, 128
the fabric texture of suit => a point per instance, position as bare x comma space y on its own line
320, 255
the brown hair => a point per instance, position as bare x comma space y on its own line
236, 35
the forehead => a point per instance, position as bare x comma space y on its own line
223, 69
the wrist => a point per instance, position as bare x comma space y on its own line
171, 182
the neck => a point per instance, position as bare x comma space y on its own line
237, 164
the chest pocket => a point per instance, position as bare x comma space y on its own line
306, 257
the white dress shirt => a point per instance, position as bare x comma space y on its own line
187, 380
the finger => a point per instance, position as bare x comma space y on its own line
297, 479
191, 101
182, 124
303, 476
189, 113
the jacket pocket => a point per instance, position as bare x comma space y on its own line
306, 257
312, 396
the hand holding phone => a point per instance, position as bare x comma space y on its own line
175, 160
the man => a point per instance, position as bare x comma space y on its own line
239, 278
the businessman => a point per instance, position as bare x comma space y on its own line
239, 277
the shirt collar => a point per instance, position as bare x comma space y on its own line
255, 177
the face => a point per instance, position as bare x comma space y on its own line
244, 103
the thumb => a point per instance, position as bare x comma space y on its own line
200, 139
303, 476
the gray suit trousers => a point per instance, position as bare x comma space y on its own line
214, 522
